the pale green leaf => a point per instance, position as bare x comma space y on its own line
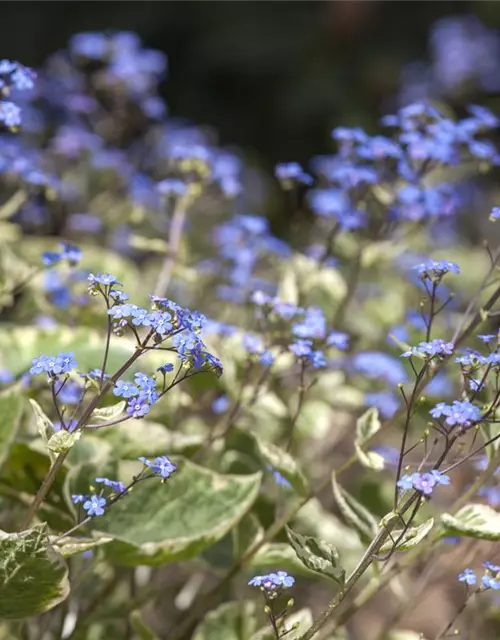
108, 414
44, 425
408, 539
367, 425
230, 621
33, 577
473, 521
164, 522
370, 459
11, 410
317, 555
140, 627
353, 512
63, 441
69, 546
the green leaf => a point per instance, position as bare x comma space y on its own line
473, 521
11, 410
317, 555
68, 546
140, 627
230, 621
354, 513
410, 538
44, 425
367, 425
21, 476
164, 522
370, 459
108, 414
63, 440
491, 430
33, 577
283, 462
145, 438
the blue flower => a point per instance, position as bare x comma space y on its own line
50, 258
424, 482
171, 187
405, 483
106, 279
495, 214
137, 408
125, 389
76, 498
440, 478
338, 339
468, 576
144, 382
494, 568
94, 506
375, 364
115, 485
70, 253
489, 582
162, 466
166, 368
221, 404
301, 348
289, 172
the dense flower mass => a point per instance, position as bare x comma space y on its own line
434, 270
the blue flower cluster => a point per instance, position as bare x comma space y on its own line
436, 347
68, 253
434, 270
490, 579
420, 134
53, 365
13, 77
242, 244
461, 412
304, 330
424, 482
273, 583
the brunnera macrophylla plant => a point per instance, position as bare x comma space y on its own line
323, 427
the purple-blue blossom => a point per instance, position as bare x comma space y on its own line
435, 269
95, 505
461, 412
436, 347
273, 582
468, 576
125, 389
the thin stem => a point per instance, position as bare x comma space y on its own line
444, 632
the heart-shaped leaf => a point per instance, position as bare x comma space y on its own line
163, 522
33, 577
317, 555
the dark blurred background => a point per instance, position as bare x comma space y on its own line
275, 77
